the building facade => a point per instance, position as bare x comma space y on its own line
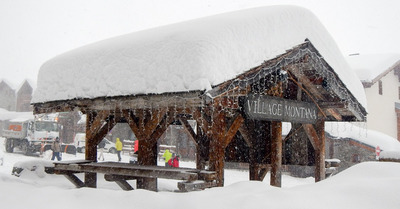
19, 99
7, 96
24, 97
380, 75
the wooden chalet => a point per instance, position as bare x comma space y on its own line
239, 120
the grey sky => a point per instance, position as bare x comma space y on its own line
34, 31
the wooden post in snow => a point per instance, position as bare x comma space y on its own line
320, 151
222, 135
217, 152
151, 124
90, 153
97, 126
276, 154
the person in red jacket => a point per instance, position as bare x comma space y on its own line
136, 146
174, 161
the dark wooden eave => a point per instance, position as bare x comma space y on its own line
149, 101
312, 73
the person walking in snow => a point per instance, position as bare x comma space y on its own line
101, 146
174, 161
56, 147
118, 147
167, 156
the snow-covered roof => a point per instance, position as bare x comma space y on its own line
192, 55
357, 132
370, 66
11, 115
363, 135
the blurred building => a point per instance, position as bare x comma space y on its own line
380, 76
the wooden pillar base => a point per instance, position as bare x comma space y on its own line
147, 183
320, 151
257, 172
91, 180
276, 154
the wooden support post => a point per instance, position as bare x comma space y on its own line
222, 135
320, 151
149, 129
199, 141
254, 166
316, 134
97, 126
217, 152
147, 156
254, 169
202, 138
201, 151
276, 154
90, 151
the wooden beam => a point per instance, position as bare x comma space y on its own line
90, 149
245, 134
276, 154
124, 185
217, 152
341, 104
320, 152
120, 180
74, 179
233, 129
128, 115
182, 99
335, 114
203, 136
221, 137
189, 130
104, 131
97, 123
303, 79
203, 120
202, 149
160, 129
312, 135
153, 121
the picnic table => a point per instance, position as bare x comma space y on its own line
192, 179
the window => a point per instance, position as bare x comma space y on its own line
380, 87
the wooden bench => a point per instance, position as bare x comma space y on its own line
122, 172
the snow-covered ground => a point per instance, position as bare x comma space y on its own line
367, 185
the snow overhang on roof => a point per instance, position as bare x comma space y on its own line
189, 56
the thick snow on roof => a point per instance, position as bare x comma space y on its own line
370, 66
363, 135
357, 132
15, 116
192, 55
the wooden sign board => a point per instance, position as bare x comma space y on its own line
261, 107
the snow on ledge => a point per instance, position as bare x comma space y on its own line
390, 155
192, 55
